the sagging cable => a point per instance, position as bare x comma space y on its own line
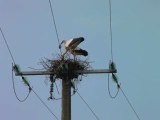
16, 69
112, 66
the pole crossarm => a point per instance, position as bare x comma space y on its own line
95, 71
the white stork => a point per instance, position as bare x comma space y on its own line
71, 46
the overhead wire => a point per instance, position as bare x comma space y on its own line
9, 50
111, 49
45, 104
30, 89
110, 28
54, 22
4, 38
128, 101
13, 83
109, 91
118, 86
97, 118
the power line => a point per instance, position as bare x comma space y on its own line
30, 89
54, 21
9, 50
22, 77
109, 91
88, 106
110, 26
20, 100
119, 87
130, 104
45, 104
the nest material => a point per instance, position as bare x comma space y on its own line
65, 68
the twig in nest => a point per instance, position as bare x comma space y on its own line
58, 67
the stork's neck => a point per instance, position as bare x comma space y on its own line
63, 42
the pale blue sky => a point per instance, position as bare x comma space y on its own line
29, 29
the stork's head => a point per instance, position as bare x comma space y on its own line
63, 41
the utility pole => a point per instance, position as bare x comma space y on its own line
66, 100
66, 87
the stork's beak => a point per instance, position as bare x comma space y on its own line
60, 45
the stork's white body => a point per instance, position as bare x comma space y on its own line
68, 43
73, 43
72, 46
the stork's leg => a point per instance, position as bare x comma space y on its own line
74, 58
64, 54
68, 56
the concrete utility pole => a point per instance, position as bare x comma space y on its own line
66, 87
66, 100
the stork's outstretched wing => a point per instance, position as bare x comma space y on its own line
73, 43
72, 47
79, 51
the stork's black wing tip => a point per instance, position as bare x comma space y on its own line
85, 53
81, 38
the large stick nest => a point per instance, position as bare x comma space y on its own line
65, 68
